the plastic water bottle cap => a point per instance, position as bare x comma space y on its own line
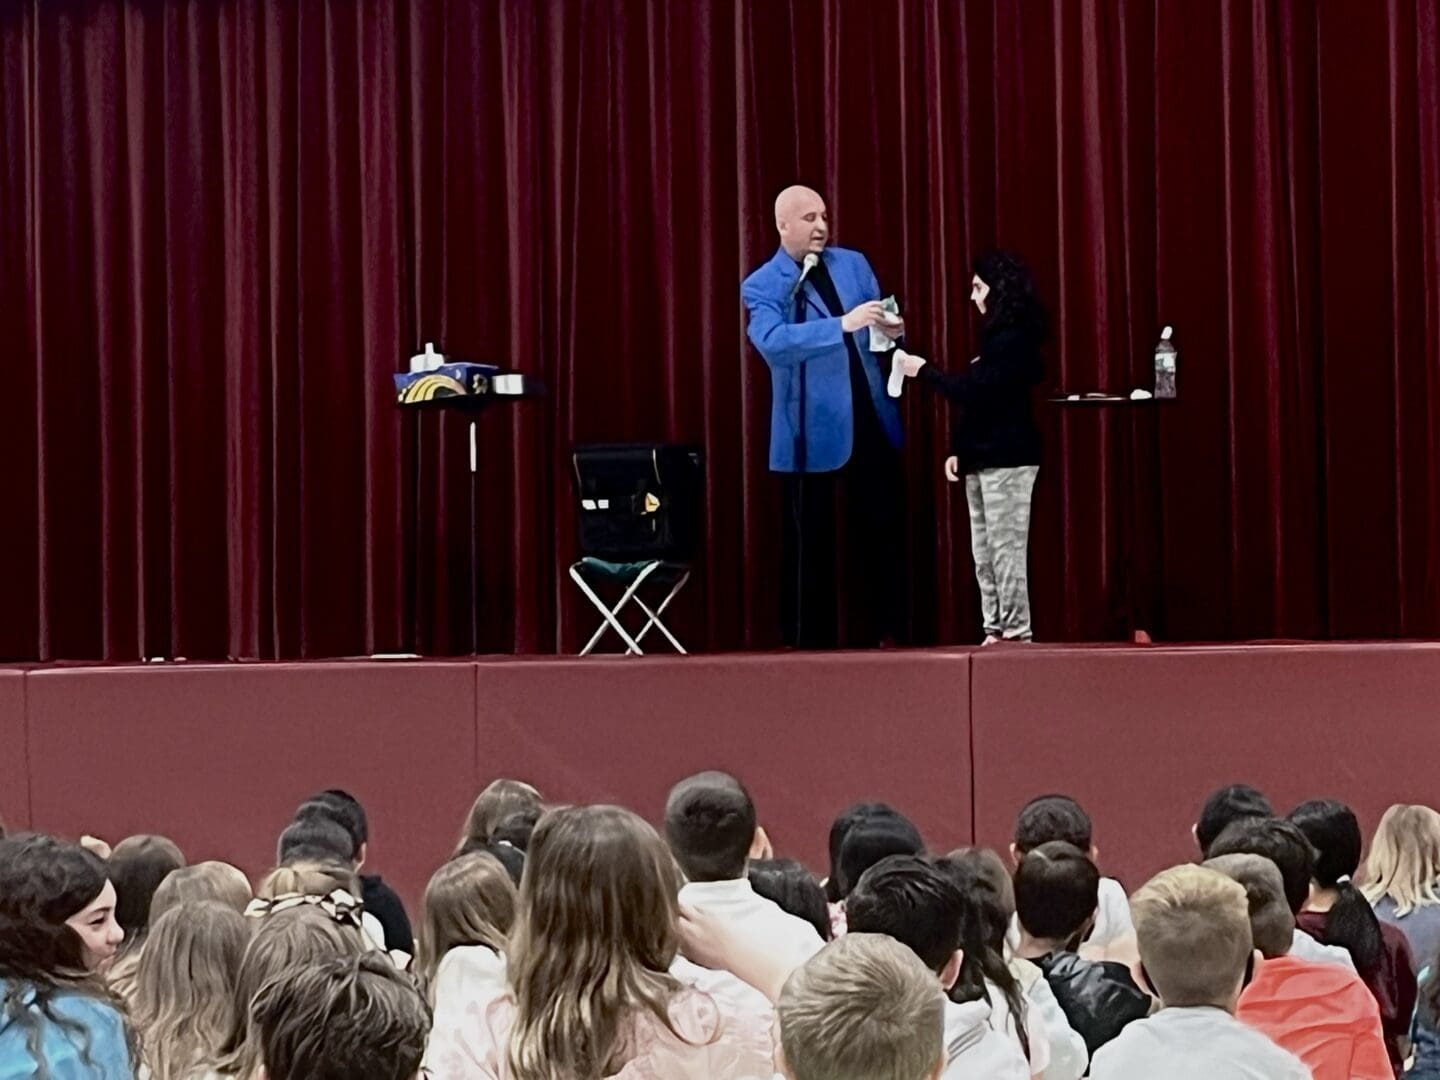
1166, 334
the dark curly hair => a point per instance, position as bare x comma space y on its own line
1013, 303
43, 882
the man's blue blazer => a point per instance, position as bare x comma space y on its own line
816, 347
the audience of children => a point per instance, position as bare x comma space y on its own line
579, 942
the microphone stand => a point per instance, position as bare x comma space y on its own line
801, 454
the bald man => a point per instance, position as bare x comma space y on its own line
832, 427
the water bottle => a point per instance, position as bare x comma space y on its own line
1165, 354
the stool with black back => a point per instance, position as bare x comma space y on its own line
639, 519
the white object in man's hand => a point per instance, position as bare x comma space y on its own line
952, 469
870, 313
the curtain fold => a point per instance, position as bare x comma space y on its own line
225, 223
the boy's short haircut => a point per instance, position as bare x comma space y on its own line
1282, 843
1057, 890
1053, 817
1225, 807
316, 838
863, 1008
911, 900
710, 826
1272, 924
349, 1016
1192, 927
341, 807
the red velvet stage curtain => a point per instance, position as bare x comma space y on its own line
224, 223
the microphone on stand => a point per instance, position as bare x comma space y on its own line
809, 263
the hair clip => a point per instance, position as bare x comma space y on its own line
340, 905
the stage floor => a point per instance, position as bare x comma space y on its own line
217, 755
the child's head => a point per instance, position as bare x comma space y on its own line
498, 801
345, 810
912, 901
316, 837
1404, 862
1334, 833
1192, 928
1057, 890
137, 866
471, 900
1226, 806
300, 936
876, 836
596, 934
57, 911
1279, 841
1052, 817
203, 881
184, 998
863, 1008
1272, 924
343, 1016
984, 865
710, 826
840, 828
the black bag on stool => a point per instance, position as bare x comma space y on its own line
639, 501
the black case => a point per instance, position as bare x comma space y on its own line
639, 501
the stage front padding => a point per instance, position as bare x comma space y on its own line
218, 757
809, 734
14, 766
1142, 736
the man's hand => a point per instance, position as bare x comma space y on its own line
911, 365
892, 326
870, 313
952, 469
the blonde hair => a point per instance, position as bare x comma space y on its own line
469, 901
294, 937
184, 993
593, 946
1404, 862
1192, 927
862, 1008
202, 881
498, 801
307, 878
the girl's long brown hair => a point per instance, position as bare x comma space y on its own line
595, 940
469, 901
185, 986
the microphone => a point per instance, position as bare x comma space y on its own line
810, 262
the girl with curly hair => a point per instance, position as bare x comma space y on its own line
995, 442
57, 930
